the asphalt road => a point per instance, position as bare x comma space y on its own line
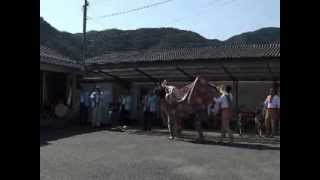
110, 155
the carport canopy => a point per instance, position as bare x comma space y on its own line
221, 63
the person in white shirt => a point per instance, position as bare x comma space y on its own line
96, 107
224, 105
272, 106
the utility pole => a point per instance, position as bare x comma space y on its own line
84, 40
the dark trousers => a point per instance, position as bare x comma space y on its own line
148, 119
83, 114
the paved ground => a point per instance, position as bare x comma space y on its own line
136, 155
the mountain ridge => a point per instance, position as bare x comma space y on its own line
99, 42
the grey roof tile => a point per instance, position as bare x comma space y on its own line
50, 56
217, 52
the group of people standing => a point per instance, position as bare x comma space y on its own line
91, 107
270, 112
95, 111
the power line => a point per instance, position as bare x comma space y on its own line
198, 13
95, 22
135, 9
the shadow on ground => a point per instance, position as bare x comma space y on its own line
240, 145
52, 134
239, 142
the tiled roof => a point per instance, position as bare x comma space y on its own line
218, 52
50, 56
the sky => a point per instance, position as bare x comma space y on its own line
213, 19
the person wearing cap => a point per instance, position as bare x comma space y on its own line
224, 105
272, 107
